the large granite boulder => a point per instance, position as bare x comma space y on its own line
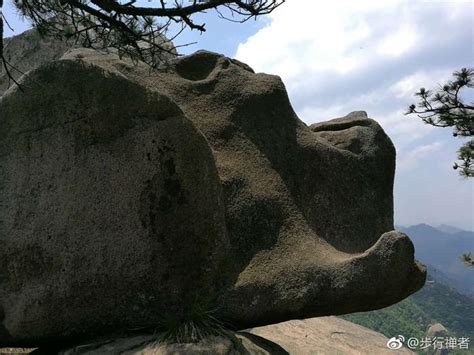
127, 193
438, 334
111, 208
309, 210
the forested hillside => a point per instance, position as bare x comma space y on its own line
436, 302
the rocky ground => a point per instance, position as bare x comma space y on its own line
324, 335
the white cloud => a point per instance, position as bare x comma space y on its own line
407, 86
312, 40
403, 129
358, 48
312, 114
398, 43
414, 158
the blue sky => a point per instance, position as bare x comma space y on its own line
340, 56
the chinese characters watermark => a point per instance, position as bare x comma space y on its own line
451, 343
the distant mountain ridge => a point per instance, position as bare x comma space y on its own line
449, 229
445, 228
441, 249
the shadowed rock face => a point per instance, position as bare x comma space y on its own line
28, 51
126, 191
112, 211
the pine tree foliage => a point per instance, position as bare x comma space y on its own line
468, 258
139, 32
446, 107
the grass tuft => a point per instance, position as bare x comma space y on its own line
197, 322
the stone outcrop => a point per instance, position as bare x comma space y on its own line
325, 335
240, 344
126, 194
440, 333
309, 217
30, 50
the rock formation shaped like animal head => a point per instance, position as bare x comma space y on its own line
126, 193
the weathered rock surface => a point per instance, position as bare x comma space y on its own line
28, 51
437, 331
111, 209
126, 193
242, 344
325, 335
310, 221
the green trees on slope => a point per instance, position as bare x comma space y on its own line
434, 303
468, 259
